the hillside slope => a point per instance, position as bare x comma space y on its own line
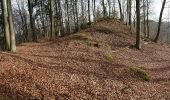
93, 64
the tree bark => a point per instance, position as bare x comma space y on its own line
104, 9
6, 24
129, 2
52, 32
138, 39
11, 24
120, 10
148, 29
144, 18
32, 21
89, 16
83, 16
160, 22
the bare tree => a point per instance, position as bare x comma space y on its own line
89, 16
160, 21
120, 10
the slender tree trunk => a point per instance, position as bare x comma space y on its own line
68, 17
52, 32
60, 18
74, 15
114, 6
130, 13
58, 24
76, 12
109, 4
138, 39
32, 21
6, 24
160, 22
43, 17
144, 18
22, 12
89, 16
148, 34
94, 10
104, 8
120, 10
82, 11
11, 24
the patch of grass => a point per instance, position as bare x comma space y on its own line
93, 77
109, 57
93, 44
4, 98
108, 47
85, 26
141, 73
128, 34
82, 37
104, 31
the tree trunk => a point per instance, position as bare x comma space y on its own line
148, 34
32, 21
94, 10
109, 4
114, 6
22, 12
11, 24
144, 18
77, 19
6, 24
104, 9
82, 11
89, 12
52, 32
160, 22
120, 10
129, 13
68, 17
138, 44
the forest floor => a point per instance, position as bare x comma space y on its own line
98, 63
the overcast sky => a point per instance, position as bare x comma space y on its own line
157, 4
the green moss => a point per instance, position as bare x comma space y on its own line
128, 34
104, 30
81, 37
89, 43
92, 44
141, 73
4, 98
109, 57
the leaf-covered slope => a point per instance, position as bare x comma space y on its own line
91, 64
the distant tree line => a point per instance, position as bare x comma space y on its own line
36, 19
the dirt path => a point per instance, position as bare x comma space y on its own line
77, 67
